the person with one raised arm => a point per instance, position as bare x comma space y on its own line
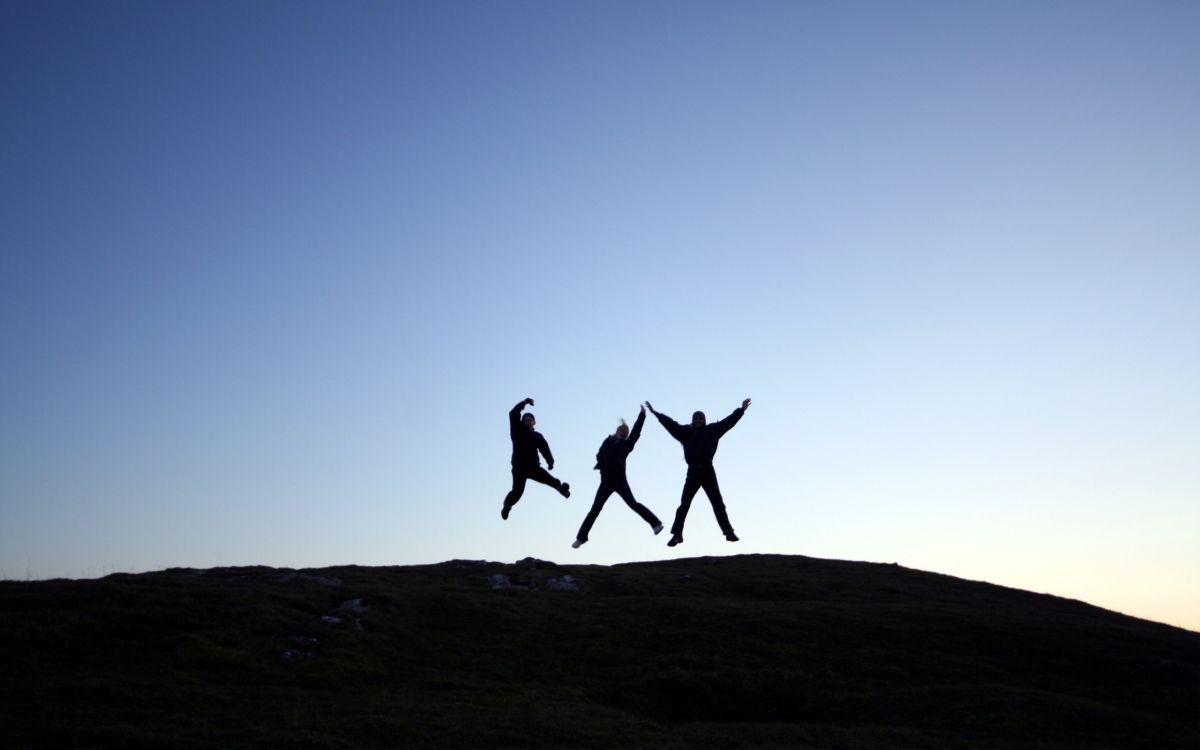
610, 460
527, 444
699, 441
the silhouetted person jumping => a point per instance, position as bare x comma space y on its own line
699, 446
610, 460
527, 443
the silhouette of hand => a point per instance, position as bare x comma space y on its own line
651, 408
745, 404
549, 466
529, 401
643, 409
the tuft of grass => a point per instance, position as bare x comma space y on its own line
745, 651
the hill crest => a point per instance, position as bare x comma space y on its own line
748, 650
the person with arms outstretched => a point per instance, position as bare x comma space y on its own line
527, 443
699, 441
610, 460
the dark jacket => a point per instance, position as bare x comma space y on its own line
527, 443
610, 459
700, 443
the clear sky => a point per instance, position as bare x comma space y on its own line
272, 274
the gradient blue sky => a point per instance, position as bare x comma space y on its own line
273, 272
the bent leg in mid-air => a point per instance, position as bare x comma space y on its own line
538, 474
690, 486
622, 489
713, 490
602, 493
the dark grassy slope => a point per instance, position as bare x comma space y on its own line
749, 651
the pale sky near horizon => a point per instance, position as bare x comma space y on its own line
273, 273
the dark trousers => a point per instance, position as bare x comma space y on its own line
609, 485
521, 475
701, 476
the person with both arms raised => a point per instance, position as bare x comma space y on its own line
527, 443
610, 460
699, 441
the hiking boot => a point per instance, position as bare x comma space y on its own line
658, 529
578, 543
731, 537
675, 539
504, 512
565, 489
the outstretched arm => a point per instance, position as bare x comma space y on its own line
726, 424
636, 432
677, 430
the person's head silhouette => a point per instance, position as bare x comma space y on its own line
698, 419
622, 431
529, 420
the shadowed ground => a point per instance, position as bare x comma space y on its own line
746, 651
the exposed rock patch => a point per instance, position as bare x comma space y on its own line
529, 583
565, 583
356, 606
501, 581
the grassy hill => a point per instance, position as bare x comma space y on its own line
746, 651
